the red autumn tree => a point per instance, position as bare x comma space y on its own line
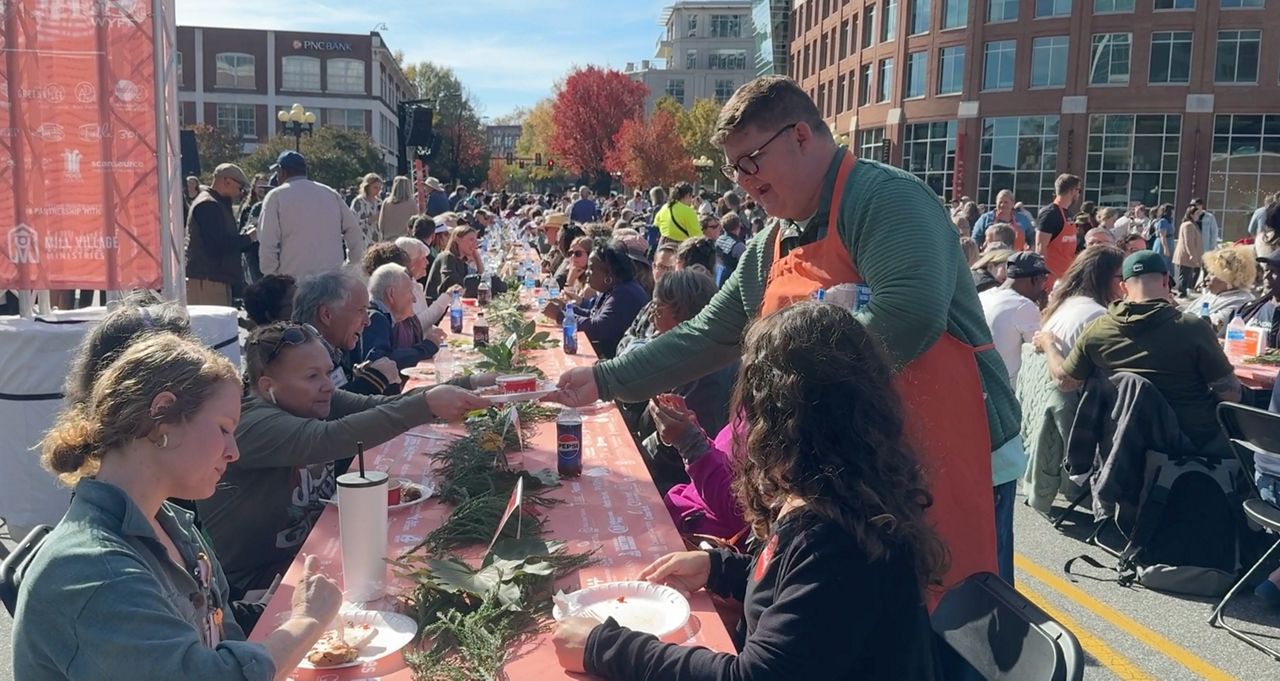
588, 112
650, 152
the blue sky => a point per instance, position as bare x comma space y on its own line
507, 53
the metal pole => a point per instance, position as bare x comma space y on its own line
172, 258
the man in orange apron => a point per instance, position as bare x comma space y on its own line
843, 222
1056, 233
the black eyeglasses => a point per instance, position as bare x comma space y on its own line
577, 253
294, 334
747, 164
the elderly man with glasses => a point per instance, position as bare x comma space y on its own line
214, 241
838, 224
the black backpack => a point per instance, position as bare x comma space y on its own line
1184, 534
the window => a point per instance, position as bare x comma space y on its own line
724, 90
346, 75
690, 60
917, 74
864, 85
1002, 10
869, 26
951, 70
1175, 4
1242, 168
1053, 8
726, 26
346, 119
1049, 61
301, 73
238, 118
889, 21
675, 89
997, 68
234, 70
1170, 57
1019, 154
1238, 56
841, 91
727, 60
1112, 6
886, 80
921, 12
1242, 4
178, 65
1109, 63
955, 13
871, 143
1132, 158
691, 26
929, 153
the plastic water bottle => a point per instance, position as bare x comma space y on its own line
455, 312
1204, 311
820, 295
552, 287
1235, 345
570, 326
444, 363
542, 300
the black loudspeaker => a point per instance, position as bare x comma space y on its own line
420, 118
190, 153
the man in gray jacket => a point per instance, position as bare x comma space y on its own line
304, 224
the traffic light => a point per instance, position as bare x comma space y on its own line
537, 159
551, 164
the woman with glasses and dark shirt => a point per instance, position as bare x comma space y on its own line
611, 272
126, 587
293, 426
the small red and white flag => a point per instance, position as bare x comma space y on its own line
513, 504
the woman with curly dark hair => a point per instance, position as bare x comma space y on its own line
835, 497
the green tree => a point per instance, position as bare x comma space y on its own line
461, 150
216, 146
335, 156
535, 138
696, 125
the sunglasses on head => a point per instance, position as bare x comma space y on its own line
294, 334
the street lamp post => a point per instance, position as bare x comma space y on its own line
296, 121
703, 164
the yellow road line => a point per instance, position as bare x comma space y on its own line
1121, 666
1170, 649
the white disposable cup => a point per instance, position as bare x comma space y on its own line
362, 522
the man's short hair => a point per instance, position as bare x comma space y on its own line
325, 288
1001, 232
767, 103
1066, 182
383, 279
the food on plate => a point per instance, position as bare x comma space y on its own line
410, 493
622, 599
334, 649
1268, 358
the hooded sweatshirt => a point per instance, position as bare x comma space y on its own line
1179, 353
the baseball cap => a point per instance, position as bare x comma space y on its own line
1026, 264
232, 171
291, 161
1144, 262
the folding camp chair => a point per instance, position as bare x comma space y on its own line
992, 630
1251, 430
16, 562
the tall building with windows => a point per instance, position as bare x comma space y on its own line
1148, 100
238, 79
707, 50
772, 19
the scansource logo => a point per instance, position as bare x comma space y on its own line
23, 245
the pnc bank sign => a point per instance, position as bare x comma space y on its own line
322, 45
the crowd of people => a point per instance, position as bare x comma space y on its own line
792, 387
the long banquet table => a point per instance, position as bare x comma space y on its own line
614, 508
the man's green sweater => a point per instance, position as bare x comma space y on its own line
908, 253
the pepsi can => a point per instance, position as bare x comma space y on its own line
569, 444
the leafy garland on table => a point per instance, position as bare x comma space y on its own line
474, 616
513, 338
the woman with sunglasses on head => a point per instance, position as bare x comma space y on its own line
836, 498
294, 426
612, 273
126, 587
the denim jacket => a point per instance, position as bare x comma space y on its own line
102, 600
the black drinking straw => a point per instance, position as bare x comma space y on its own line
360, 456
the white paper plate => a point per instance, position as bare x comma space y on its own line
544, 388
395, 631
651, 608
428, 490
422, 373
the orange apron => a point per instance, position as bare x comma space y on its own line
942, 399
1060, 252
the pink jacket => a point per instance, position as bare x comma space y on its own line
707, 505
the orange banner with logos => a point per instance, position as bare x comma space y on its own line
79, 187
